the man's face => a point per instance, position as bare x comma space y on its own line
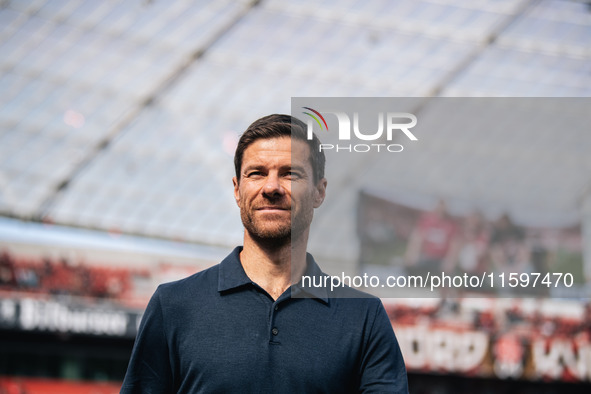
276, 192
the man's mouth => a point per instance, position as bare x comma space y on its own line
273, 208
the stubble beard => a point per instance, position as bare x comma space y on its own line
277, 233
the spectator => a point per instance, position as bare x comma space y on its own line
509, 252
432, 242
7, 276
473, 243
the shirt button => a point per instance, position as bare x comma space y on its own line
276, 307
275, 331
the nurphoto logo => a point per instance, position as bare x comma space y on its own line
316, 119
394, 122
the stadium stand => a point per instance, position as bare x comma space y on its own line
128, 287
47, 386
121, 117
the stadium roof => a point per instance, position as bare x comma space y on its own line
124, 115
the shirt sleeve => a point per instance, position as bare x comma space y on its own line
149, 368
382, 366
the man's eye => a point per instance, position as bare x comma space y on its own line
254, 174
293, 174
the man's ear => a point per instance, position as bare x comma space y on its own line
320, 192
236, 192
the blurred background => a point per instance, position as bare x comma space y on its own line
118, 122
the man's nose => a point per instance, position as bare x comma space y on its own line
273, 186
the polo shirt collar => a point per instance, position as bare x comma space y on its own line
313, 271
232, 275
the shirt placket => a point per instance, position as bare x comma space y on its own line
275, 328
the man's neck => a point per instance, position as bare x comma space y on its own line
274, 267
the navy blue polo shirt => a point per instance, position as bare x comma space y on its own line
219, 332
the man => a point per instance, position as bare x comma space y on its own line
244, 325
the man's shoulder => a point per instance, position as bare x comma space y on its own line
350, 297
333, 289
345, 291
202, 281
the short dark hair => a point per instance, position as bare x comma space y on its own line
275, 126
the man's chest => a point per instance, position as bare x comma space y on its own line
251, 345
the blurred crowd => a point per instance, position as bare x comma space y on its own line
474, 246
65, 277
